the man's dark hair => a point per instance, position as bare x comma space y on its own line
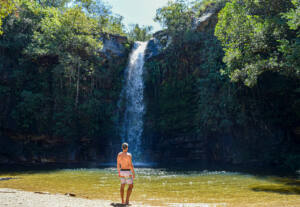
124, 146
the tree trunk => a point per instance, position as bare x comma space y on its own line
77, 85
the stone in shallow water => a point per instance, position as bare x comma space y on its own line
7, 178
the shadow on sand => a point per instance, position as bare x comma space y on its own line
119, 204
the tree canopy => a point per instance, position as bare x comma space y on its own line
176, 16
6, 8
56, 82
139, 33
259, 36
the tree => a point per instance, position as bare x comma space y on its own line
293, 16
7, 6
252, 34
53, 3
55, 80
137, 33
290, 47
176, 16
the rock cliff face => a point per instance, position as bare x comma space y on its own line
207, 19
161, 40
114, 45
157, 44
154, 48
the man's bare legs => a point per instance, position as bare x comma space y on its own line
122, 192
129, 190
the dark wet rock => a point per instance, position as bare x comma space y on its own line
208, 18
201, 22
205, 22
114, 45
6, 178
160, 41
154, 48
70, 194
38, 192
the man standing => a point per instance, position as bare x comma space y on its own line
126, 172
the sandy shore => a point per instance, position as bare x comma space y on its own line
17, 198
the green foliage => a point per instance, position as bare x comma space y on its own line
293, 15
255, 37
53, 3
56, 83
70, 31
189, 93
176, 16
7, 6
137, 33
290, 47
29, 113
202, 6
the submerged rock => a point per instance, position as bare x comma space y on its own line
6, 178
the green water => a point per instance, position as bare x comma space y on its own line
162, 187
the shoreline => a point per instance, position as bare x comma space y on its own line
184, 167
18, 198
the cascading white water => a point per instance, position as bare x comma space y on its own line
132, 97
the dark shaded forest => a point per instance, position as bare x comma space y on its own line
59, 84
223, 87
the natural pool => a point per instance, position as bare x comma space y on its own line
161, 187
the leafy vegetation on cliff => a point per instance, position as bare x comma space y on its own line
190, 93
257, 38
226, 83
56, 86
6, 8
139, 33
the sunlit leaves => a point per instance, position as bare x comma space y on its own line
176, 16
139, 33
251, 38
294, 15
6, 7
68, 30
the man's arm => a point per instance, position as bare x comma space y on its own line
118, 164
131, 167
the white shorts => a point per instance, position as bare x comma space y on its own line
126, 177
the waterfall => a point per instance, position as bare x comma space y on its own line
132, 101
